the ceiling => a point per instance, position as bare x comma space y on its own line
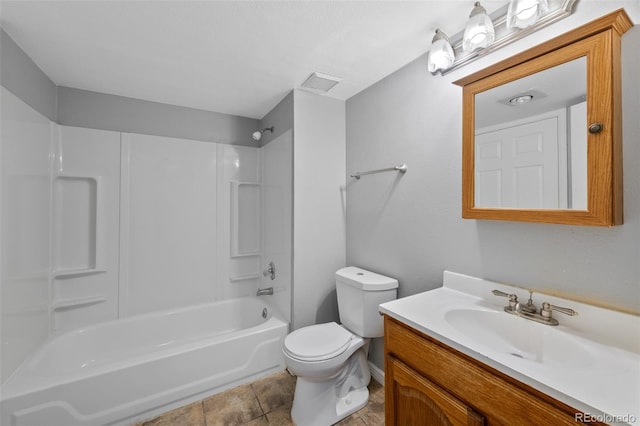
235, 57
554, 88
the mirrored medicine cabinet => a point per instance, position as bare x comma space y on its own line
542, 131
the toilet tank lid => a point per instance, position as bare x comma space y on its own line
365, 280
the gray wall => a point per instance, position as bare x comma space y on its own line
83, 108
410, 226
318, 207
280, 117
22, 77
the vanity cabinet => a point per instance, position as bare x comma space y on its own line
419, 401
430, 383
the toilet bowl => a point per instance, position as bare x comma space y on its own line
330, 360
320, 351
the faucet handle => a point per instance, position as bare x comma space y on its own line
270, 271
513, 299
503, 294
546, 309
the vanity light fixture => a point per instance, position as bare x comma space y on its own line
441, 54
524, 13
511, 22
479, 32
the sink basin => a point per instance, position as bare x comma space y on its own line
508, 334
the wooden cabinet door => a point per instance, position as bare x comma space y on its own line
413, 400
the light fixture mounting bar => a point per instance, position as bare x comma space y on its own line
558, 9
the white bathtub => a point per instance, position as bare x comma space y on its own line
123, 371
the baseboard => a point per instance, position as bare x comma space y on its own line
376, 373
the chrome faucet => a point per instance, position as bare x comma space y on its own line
529, 307
264, 291
529, 310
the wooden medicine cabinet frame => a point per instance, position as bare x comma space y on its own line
600, 42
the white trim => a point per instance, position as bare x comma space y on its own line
376, 373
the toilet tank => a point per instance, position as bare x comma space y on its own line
359, 293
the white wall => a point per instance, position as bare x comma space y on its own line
319, 210
411, 228
168, 223
184, 204
25, 167
86, 193
277, 184
239, 221
277, 179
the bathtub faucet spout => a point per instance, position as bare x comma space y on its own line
264, 291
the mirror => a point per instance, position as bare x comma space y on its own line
542, 131
531, 142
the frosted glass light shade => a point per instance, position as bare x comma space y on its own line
522, 13
479, 32
441, 54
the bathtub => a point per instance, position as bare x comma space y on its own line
119, 372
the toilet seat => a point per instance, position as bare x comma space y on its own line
318, 342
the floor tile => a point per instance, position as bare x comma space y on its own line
373, 412
352, 420
280, 416
372, 418
275, 391
260, 421
264, 402
376, 391
233, 407
190, 415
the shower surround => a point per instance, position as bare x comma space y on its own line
101, 226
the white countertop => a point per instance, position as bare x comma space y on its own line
591, 361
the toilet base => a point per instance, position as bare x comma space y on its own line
323, 403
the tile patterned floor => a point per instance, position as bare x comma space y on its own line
263, 402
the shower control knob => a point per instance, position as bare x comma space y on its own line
270, 271
595, 128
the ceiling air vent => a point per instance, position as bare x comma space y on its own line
321, 82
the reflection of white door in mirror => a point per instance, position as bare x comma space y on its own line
517, 165
535, 171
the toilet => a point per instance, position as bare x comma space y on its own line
330, 360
